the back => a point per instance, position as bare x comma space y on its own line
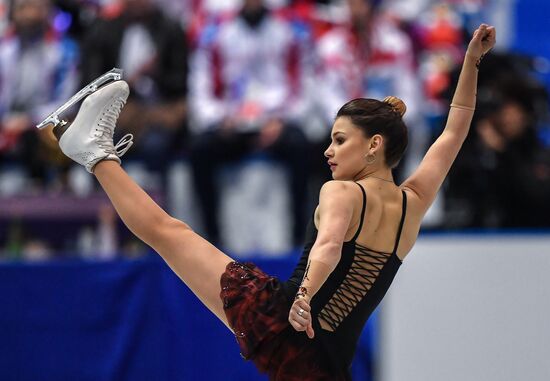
362, 276
382, 216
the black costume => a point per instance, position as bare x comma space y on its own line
257, 308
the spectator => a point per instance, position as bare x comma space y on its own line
38, 70
369, 56
247, 95
505, 170
518, 175
152, 50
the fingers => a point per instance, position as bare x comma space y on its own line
483, 40
302, 318
485, 32
488, 40
301, 303
309, 331
299, 323
480, 32
299, 316
491, 34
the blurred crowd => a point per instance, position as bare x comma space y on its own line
214, 82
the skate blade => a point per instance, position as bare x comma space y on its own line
54, 119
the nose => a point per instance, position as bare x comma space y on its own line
328, 152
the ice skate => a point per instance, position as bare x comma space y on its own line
56, 118
89, 138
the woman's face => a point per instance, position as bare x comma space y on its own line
347, 150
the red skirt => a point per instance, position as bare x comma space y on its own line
257, 308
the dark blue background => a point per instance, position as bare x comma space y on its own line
122, 320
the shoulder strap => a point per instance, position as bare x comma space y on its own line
403, 213
362, 212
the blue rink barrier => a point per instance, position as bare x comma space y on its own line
121, 320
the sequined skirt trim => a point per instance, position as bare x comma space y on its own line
252, 301
257, 307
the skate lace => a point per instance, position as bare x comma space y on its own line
106, 128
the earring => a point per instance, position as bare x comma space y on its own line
371, 158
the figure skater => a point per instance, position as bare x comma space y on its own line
307, 327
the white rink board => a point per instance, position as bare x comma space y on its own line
469, 308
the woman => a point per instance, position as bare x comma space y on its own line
306, 328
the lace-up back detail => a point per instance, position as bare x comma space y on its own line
364, 272
362, 275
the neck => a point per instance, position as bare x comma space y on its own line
378, 173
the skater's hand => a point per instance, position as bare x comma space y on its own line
300, 316
483, 40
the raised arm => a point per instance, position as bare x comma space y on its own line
427, 179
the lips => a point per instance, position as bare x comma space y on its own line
332, 165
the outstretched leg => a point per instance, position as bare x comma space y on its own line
89, 141
198, 263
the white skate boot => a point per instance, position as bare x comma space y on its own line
89, 138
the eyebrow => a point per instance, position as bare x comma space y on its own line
338, 132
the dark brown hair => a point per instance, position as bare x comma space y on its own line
380, 117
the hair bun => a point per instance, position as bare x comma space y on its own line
397, 104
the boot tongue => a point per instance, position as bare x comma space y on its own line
60, 129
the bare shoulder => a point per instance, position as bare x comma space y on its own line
339, 197
340, 190
338, 204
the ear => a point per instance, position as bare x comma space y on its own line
375, 144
